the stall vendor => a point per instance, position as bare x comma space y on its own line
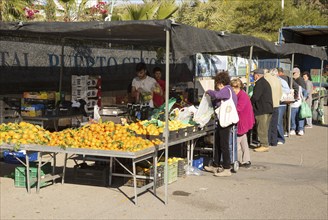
158, 99
143, 86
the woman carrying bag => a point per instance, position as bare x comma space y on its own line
222, 92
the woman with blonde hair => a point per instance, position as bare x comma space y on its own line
246, 122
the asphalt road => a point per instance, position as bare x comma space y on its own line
288, 182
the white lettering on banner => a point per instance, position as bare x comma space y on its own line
15, 60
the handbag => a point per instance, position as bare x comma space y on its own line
227, 112
305, 110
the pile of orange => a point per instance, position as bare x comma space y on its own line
103, 136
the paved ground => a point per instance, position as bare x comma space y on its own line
289, 182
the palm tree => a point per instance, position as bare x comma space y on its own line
148, 11
13, 10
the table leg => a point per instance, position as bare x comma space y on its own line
155, 171
64, 169
110, 171
39, 172
27, 165
134, 181
188, 153
191, 151
54, 167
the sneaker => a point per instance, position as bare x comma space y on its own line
212, 169
286, 134
292, 132
308, 126
261, 149
280, 143
223, 173
246, 165
301, 133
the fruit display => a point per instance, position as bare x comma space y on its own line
155, 127
100, 136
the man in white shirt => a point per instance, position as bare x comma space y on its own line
144, 86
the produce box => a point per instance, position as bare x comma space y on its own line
181, 170
33, 110
91, 174
79, 80
128, 181
172, 171
40, 95
20, 175
9, 157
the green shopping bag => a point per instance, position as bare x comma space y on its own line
305, 111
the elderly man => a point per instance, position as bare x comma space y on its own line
276, 89
263, 108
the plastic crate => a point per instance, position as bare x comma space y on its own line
20, 175
181, 170
91, 174
160, 176
172, 171
9, 156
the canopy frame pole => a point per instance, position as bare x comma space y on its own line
249, 68
320, 78
290, 86
62, 65
167, 83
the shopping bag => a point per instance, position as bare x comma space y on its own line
204, 111
227, 112
305, 111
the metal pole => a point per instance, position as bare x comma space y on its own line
61, 66
249, 67
167, 83
321, 71
290, 86
109, 17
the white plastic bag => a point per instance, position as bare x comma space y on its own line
96, 115
184, 114
204, 112
227, 112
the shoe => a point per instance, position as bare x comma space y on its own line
292, 132
308, 126
212, 169
286, 134
246, 165
223, 173
280, 143
301, 133
261, 149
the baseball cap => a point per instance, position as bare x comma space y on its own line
258, 71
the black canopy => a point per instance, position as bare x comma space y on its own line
185, 40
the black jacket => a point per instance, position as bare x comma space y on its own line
262, 98
300, 81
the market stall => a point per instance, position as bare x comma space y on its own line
178, 40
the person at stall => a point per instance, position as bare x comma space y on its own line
144, 86
309, 87
246, 122
276, 89
222, 135
263, 108
158, 99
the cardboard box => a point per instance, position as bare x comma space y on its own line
40, 95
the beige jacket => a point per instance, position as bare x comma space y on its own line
276, 88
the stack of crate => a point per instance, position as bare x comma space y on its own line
8, 113
88, 88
